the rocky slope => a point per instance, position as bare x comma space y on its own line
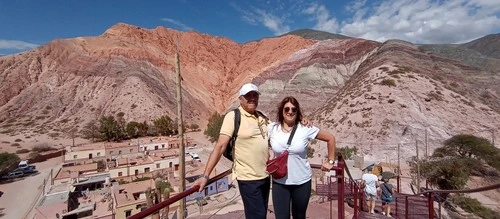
344, 85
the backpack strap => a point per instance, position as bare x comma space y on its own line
237, 120
259, 113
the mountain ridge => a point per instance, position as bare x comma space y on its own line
344, 84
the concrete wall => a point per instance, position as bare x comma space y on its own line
77, 155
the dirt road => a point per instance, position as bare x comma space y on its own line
20, 195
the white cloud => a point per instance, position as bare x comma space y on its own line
425, 21
272, 21
177, 23
16, 45
322, 17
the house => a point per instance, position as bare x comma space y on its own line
130, 198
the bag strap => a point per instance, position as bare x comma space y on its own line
291, 136
237, 119
389, 190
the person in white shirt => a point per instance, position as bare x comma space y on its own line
295, 188
370, 183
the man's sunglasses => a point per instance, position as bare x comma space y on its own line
287, 109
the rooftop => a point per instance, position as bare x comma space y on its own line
87, 147
72, 171
130, 192
134, 160
162, 154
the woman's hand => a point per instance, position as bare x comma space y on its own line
326, 166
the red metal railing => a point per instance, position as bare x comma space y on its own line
420, 205
339, 172
179, 196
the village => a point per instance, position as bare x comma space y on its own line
111, 179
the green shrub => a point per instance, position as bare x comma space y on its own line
388, 82
18, 140
42, 147
15, 144
474, 206
384, 68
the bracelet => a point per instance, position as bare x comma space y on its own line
205, 176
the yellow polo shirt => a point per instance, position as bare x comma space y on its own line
251, 147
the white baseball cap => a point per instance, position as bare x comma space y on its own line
247, 88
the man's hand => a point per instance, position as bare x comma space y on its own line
305, 121
202, 182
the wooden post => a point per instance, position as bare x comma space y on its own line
418, 167
399, 167
426, 146
182, 167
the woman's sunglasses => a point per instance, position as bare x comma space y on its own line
293, 109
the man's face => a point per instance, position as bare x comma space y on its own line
250, 101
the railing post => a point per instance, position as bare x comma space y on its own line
430, 203
398, 183
396, 206
406, 207
355, 193
341, 187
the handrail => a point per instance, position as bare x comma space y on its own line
157, 207
480, 189
177, 197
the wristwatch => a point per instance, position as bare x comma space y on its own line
331, 161
205, 176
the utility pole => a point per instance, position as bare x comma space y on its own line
426, 146
182, 164
399, 167
418, 167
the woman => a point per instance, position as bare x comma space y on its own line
387, 195
295, 188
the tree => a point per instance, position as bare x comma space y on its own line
470, 146
348, 152
163, 189
132, 129
150, 201
213, 127
90, 131
7, 161
143, 129
120, 121
109, 128
164, 125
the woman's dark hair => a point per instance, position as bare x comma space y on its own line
281, 106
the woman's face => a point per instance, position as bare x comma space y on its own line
289, 113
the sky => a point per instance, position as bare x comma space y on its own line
27, 24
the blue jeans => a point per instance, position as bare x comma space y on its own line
255, 196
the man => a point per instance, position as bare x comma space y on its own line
250, 154
370, 183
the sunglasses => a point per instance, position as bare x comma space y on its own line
293, 109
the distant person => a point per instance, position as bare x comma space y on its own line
369, 182
295, 188
387, 196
